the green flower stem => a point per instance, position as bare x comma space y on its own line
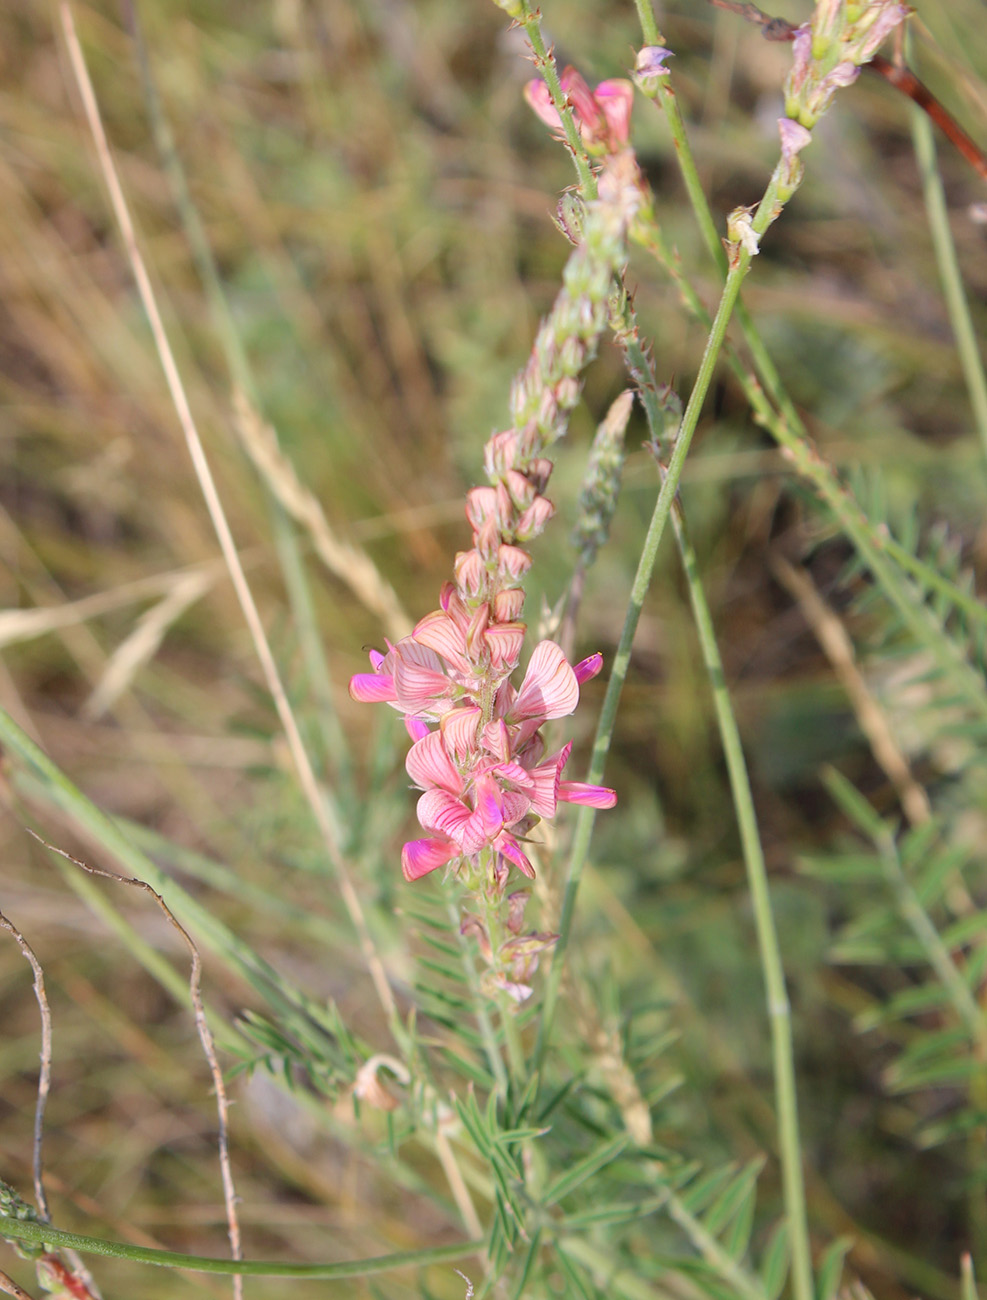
779, 1011
45, 1234
529, 20
490, 1045
639, 588
949, 271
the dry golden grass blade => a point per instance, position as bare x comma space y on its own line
350, 565
25, 624
144, 642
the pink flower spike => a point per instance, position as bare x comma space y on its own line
594, 796
419, 857
373, 688
549, 689
615, 99
588, 668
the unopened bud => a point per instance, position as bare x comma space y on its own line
598, 498
650, 68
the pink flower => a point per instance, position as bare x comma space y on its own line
485, 785
603, 115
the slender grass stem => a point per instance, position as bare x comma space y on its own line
950, 275
44, 1233
779, 1010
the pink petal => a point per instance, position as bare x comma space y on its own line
438, 631
459, 727
538, 97
534, 519
488, 818
509, 848
470, 571
513, 561
507, 605
547, 777
580, 98
504, 641
430, 767
495, 739
549, 689
440, 811
421, 686
419, 857
615, 98
594, 796
515, 774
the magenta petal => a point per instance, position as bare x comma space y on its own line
489, 799
509, 848
594, 796
415, 727
587, 668
549, 689
373, 688
419, 857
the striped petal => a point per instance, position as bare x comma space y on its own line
419, 857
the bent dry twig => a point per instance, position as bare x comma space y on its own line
205, 1037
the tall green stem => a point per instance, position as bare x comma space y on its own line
639, 588
779, 1012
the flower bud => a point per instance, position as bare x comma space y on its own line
649, 68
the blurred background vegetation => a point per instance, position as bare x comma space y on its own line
378, 200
